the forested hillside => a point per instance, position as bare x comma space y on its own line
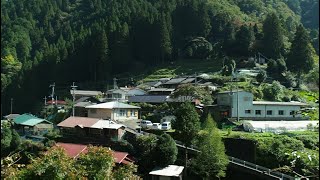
45, 41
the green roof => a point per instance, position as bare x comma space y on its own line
29, 120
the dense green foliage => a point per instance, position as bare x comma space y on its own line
187, 123
155, 151
90, 42
97, 163
212, 160
300, 59
290, 152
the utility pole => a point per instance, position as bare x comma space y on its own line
237, 90
73, 87
52, 93
45, 100
11, 105
45, 106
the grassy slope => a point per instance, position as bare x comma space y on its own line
181, 67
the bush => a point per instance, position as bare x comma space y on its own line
271, 151
219, 79
273, 92
310, 142
261, 77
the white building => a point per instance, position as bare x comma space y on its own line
114, 111
233, 103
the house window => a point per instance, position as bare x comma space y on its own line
292, 112
269, 112
132, 113
281, 112
258, 112
122, 112
93, 111
247, 111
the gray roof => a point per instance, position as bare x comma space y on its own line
113, 105
11, 116
88, 99
85, 92
161, 89
188, 80
83, 104
175, 81
148, 98
279, 103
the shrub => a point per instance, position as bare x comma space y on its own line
261, 77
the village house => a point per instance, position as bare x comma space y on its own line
74, 150
123, 93
91, 128
82, 103
85, 93
28, 124
233, 103
151, 99
175, 82
113, 110
161, 91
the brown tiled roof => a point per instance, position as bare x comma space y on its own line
73, 150
80, 121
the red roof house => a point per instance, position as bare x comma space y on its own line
58, 102
74, 150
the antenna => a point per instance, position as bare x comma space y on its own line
73, 87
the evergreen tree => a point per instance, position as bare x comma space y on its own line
187, 125
165, 41
272, 37
300, 57
212, 160
166, 151
244, 40
229, 37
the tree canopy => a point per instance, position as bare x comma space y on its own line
212, 160
300, 59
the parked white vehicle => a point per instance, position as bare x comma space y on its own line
166, 125
156, 126
146, 124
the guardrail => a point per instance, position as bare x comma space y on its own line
260, 168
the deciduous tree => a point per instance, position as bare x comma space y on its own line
187, 125
212, 160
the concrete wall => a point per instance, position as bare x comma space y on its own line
244, 101
100, 113
264, 108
